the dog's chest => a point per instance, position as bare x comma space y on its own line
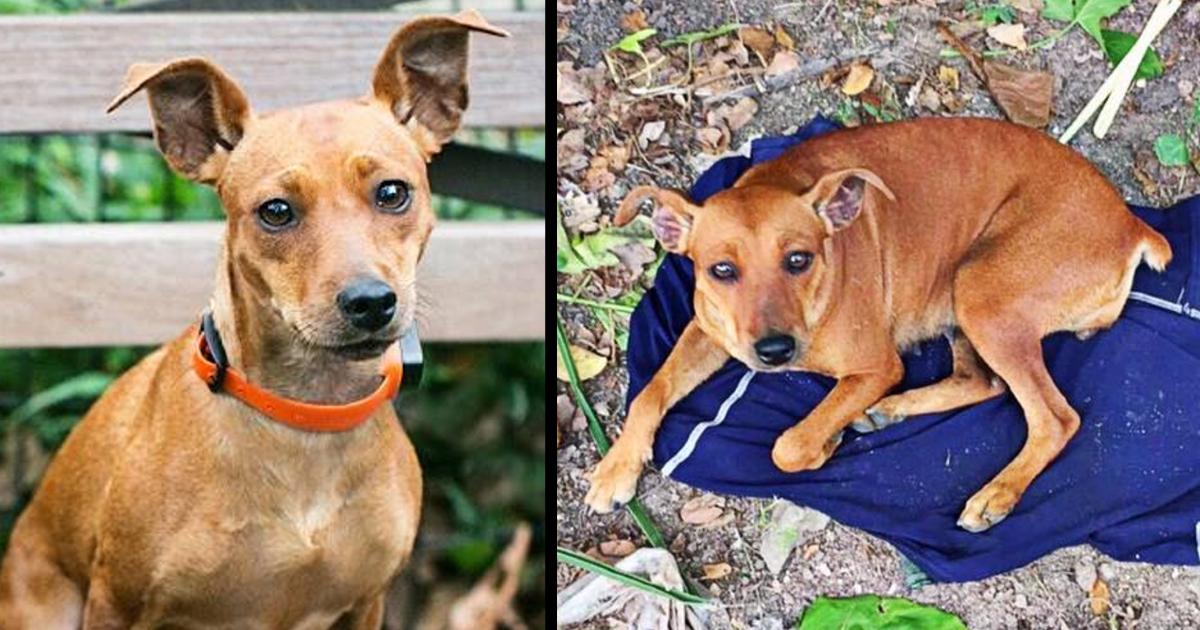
307, 559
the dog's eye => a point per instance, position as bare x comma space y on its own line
797, 262
276, 214
393, 196
724, 271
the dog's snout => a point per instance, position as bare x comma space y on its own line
367, 304
775, 349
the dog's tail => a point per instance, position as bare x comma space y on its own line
1156, 251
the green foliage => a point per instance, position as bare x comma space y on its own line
1117, 44
576, 559
991, 14
699, 36
1084, 13
632, 43
872, 612
1171, 150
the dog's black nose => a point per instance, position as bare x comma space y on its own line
776, 349
367, 304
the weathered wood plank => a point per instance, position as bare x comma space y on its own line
140, 284
60, 72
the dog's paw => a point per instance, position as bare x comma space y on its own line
614, 482
794, 452
988, 507
875, 419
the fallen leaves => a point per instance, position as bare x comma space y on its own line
1099, 597
571, 90
858, 79
1171, 150
717, 571
1023, 95
587, 364
759, 41
783, 62
735, 116
1009, 34
617, 548
702, 510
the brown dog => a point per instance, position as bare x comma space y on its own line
174, 506
857, 244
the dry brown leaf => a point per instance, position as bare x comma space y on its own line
930, 99
702, 509
810, 551
713, 139
617, 156
739, 114
758, 40
571, 90
782, 38
1100, 597
948, 75
617, 548
784, 61
1009, 34
587, 363
634, 21
858, 80
490, 602
717, 571
1023, 95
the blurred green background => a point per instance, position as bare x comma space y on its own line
478, 423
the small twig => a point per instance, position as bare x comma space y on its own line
968, 53
809, 70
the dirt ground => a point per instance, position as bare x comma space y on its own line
900, 40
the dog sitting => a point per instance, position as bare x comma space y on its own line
255, 476
851, 247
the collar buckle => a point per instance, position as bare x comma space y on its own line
216, 351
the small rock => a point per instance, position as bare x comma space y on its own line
790, 525
1021, 601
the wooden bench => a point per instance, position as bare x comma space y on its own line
115, 284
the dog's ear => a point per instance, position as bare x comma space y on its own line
671, 219
837, 198
199, 113
422, 75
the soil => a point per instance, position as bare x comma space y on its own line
903, 43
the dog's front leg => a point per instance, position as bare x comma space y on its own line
807, 445
694, 358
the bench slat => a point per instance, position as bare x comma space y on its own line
60, 72
141, 284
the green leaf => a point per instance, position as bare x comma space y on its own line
1088, 14
594, 250
632, 43
1060, 10
699, 36
1171, 150
633, 507
87, 385
1118, 43
576, 559
871, 612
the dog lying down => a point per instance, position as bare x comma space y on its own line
849, 248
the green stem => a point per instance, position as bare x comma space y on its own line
620, 308
576, 559
634, 507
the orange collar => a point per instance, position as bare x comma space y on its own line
210, 364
